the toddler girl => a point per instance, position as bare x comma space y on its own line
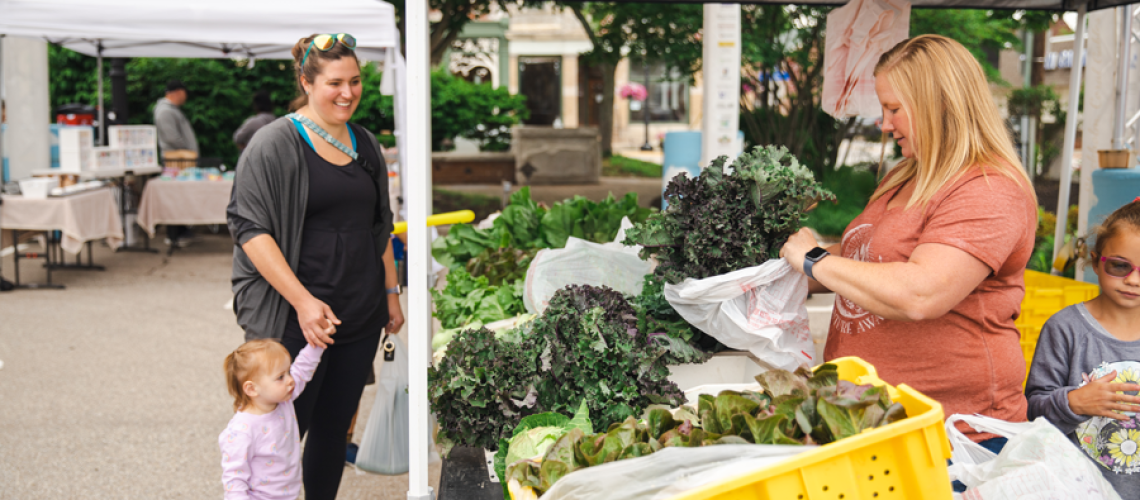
1086, 369
261, 446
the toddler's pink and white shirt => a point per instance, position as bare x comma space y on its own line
261, 454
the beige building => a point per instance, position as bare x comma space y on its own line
544, 47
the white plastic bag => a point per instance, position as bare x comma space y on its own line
583, 262
384, 446
669, 472
1038, 463
759, 309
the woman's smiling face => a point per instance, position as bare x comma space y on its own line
895, 120
335, 93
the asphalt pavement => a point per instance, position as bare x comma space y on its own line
113, 387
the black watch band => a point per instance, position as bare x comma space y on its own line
813, 256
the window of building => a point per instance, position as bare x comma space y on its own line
668, 99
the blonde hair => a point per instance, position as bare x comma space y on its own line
955, 125
248, 361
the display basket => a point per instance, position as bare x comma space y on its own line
903, 460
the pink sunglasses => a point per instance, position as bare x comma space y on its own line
1117, 267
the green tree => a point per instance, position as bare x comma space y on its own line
476, 111
667, 31
978, 30
782, 55
782, 50
220, 90
453, 15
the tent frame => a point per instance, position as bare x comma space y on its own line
418, 179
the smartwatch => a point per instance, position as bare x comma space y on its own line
394, 290
814, 255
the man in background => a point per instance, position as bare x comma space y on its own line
263, 109
175, 135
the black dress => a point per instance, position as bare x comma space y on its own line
339, 262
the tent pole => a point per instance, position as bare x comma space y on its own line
1123, 60
1070, 131
416, 172
99, 115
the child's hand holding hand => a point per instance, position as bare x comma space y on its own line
1100, 398
317, 322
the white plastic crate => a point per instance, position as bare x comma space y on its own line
132, 136
75, 146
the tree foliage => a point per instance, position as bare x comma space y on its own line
479, 112
783, 49
664, 32
220, 91
453, 16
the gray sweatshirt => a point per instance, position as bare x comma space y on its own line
174, 131
1074, 348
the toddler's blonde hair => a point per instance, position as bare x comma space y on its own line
248, 361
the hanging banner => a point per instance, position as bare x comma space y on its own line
720, 122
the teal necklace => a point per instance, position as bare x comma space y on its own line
324, 134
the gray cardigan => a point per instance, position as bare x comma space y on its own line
270, 193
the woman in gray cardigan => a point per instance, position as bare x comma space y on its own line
313, 262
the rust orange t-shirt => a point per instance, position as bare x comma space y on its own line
970, 359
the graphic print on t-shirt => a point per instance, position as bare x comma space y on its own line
1114, 444
849, 318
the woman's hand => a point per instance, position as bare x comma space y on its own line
395, 315
797, 247
317, 321
1100, 398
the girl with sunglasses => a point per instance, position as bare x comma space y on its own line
311, 221
1086, 370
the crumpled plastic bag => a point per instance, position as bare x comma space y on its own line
583, 262
759, 309
384, 447
669, 472
1038, 463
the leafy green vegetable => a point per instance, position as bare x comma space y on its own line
584, 347
657, 318
720, 222
501, 265
591, 349
535, 434
467, 299
482, 388
797, 408
526, 225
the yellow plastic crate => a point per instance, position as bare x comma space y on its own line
903, 460
1046, 294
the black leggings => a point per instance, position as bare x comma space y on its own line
326, 407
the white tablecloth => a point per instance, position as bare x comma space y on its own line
82, 217
184, 203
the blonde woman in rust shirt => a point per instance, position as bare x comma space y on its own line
929, 279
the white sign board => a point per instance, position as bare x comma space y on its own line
720, 121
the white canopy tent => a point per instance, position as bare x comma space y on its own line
256, 29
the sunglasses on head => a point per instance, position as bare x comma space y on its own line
1117, 267
325, 42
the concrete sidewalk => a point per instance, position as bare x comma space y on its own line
113, 388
